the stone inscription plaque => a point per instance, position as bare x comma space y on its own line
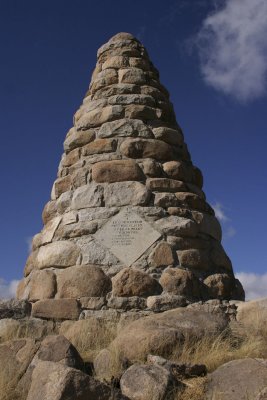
127, 236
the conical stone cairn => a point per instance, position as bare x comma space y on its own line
128, 226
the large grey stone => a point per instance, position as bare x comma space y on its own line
88, 196
125, 127
174, 225
126, 193
59, 254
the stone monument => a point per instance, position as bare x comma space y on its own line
128, 226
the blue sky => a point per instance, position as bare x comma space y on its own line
212, 57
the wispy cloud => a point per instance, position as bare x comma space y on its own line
219, 212
8, 289
255, 285
229, 230
233, 49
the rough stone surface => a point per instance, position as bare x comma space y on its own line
146, 148
160, 333
15, 309
59, 254
165, 302
133, 282
56, 309
82, 281
238, 379
181, 282
161, 256
42, 285
143, 382
126, 193
87, 196
125, 127
55, 381
116, 171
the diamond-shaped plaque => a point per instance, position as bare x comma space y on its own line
127, 236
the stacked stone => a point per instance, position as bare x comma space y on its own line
126, 152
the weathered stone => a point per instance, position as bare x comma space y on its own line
116, 62
219, 258
126, 99
88, 196
82, 281
117, 171
97, 213
165, 302
76, 230
194, 258
126, 193
146, 148
192, 201
165, 200
124, 127
151, 168
64, 201
138, 62
220, 286
104, 78
169, 135
76, 139
161, 256
238, 379
55, 381
133, 282
154, 92
69, 218
177, 226
161, 333
49, 211
165, 185
145, 382
208, 224
100, 146
62, 185
59, 254
92, 303
25, 328
49, 230
127, 303
71, 158
15, 309
103, 316
178, 170
94, 253
99, 116
42, 285
121, 88
181, 282
132, 75
142, 112
56, 309
15, 357
57, 348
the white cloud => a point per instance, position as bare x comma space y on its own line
255, 285
233, 49
219, 212
230, 231
8, 289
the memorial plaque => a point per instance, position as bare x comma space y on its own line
127, 236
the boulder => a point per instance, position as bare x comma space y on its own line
194, 258
127, 303
87, 196
133, 282
146, 382
179, 226
220, 286
238, 380
168, 135
132, 75
82, 281
55, 381
42, 285
124, 127
181, 282
161, 333
15, 309
58, 349
15, 357
99, 146
60, 254
116, 171
161, 256
165, 302
56, 309
165, 185
76, 139
99, 116
146, 148
126, 193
